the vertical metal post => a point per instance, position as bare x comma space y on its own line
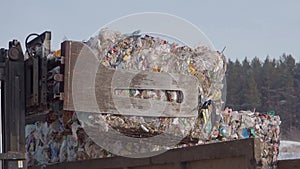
15, 104
12, 106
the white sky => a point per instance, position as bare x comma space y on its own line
247, 28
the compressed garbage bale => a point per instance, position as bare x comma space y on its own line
51, 142
59, 140
150, 53
245, 124
145, 52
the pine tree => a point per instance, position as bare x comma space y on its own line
256, 68
246, 104
252, 95
289, 95
233, 77
266, 90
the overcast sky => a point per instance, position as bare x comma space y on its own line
247, 28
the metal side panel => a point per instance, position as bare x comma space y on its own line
240, 154
70, 51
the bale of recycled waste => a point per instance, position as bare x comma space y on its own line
235, 125
155, 54
64, 139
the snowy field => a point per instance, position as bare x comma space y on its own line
289, 150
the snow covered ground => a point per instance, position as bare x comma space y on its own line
289, 150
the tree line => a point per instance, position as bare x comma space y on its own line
266, 85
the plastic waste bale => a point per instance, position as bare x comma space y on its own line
58, 140
151, 53
235, 125
64, 139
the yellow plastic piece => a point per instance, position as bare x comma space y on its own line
192, 70
57, 53
126, 57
